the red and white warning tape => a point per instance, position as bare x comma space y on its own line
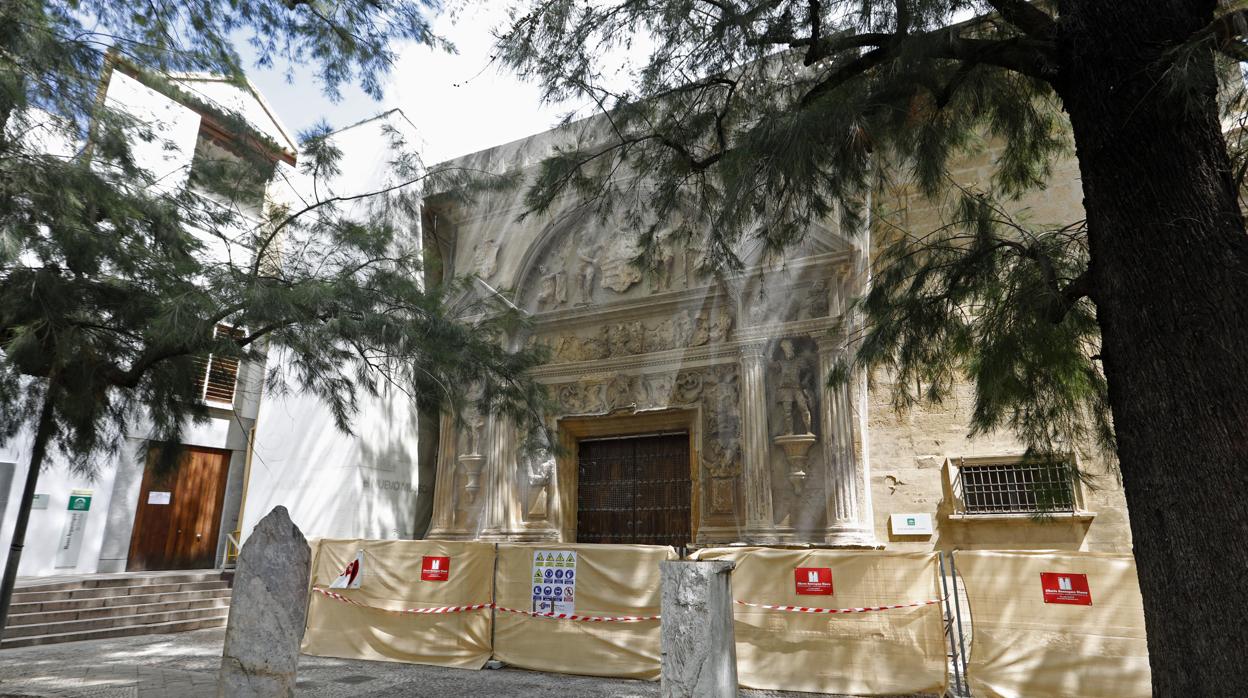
441, 609
807, 609
572, 616
479, 606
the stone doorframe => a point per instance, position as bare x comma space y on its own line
572, 429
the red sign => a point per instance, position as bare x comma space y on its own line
434, 569
1064, 587
813, 581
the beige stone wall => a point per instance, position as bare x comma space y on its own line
908, 452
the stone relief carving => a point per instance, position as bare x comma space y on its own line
665, 274
639, 337
618, 272
485, 258
552, 288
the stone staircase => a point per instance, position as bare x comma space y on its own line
120, 605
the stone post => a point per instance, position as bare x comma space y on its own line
755, 445
696, 638
268, 611
844, 479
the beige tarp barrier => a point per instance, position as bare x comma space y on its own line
611, 580
1023, 646
881, 652
392, 580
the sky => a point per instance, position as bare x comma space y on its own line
460, 103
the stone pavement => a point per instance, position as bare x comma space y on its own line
184, 665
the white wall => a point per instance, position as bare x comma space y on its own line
364, 484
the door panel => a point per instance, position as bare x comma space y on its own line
177, 528
634, 490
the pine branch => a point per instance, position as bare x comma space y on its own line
1024, 15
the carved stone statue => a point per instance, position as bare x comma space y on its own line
666, 271
721, 327
539, 467
586, 272
470, 437
818, 306
790, 393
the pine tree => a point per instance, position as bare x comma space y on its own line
761, 116
113, 287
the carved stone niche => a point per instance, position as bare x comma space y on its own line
537, 476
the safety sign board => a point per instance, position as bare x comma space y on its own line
1064, 587
434, 568
554, 581
813, 581
353, 575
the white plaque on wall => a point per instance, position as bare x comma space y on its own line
158, 497
40, 501
911, 524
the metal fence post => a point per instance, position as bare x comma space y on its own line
948, 613
957, 605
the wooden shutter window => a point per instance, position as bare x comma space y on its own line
217, 376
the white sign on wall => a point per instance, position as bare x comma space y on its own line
554, 581
75, 525
911, 524
40, 501
158, 497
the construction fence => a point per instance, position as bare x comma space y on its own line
821, 621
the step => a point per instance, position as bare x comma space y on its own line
123, 631
120, 580
101, 592
18, 617
24, 607
78, 626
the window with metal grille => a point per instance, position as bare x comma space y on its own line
1016, 487
218, 375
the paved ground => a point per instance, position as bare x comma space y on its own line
184, 665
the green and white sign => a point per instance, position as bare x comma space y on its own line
75, 526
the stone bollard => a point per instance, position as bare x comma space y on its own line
268, 611
697, 640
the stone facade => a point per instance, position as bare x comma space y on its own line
777, 456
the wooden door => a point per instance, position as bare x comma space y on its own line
634, 490
179, 514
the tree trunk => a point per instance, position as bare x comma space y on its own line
44, 429
1170, 270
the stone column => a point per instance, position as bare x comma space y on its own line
849, 521
699, 654
443, 523
498, 481
755, 445
268, 611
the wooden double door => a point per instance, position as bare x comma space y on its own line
178, 518
634, 490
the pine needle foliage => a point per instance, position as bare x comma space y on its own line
112, 284
747, 120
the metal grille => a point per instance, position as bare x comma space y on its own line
634, 491
1009, 488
